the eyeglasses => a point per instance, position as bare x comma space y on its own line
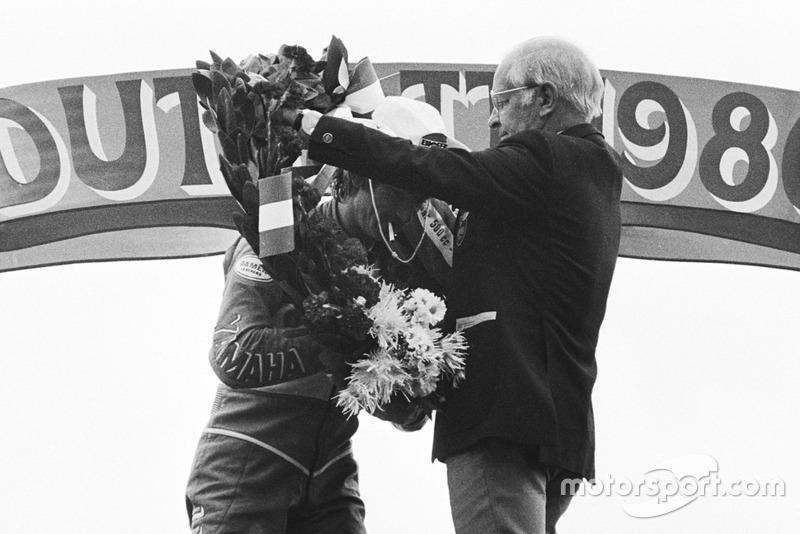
498, 103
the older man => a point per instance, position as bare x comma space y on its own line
536, 244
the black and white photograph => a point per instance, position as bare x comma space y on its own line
421, 267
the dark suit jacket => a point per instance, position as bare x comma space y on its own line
536, 245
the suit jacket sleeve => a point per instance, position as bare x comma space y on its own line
492, 179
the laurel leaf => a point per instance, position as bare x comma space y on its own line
202, 85
226, 114
209, 121
229, 149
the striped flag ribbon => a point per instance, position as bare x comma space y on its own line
275, 215
336, 76
364, 93
360, 86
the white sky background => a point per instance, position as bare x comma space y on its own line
105, 384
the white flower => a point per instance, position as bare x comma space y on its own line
372, 382
420, 339
453, 352
426, 385
387, 316
429, 370
350, 403
424, 307
366, 270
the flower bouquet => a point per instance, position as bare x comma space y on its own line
406, 353
401, 351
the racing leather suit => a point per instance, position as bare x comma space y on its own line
276, 454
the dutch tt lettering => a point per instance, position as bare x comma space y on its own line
16, 189
138, 162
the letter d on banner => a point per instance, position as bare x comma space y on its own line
275, 215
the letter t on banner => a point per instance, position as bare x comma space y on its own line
275, 215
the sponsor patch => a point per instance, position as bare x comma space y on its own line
434, 139
250, 267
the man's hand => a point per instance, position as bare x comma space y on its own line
284, 116
289, 117
403, 413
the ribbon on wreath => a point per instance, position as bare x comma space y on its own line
359, 88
